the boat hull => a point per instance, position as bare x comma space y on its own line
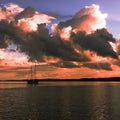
32, 82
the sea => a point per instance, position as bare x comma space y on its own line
60, 101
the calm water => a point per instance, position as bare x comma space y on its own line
60, 101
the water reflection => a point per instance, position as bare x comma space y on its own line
67, 102
4, 85
99, 103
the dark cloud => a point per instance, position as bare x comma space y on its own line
98, 66
11, 33
97, 42
3, 41
65, 50
40, 43
26, 13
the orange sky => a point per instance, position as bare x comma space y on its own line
14, 60
50, 71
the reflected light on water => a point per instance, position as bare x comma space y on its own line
60, 101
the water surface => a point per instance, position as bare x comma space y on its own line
60, 101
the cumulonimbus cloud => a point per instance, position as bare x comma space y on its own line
29, 19
8, 11
69, 41
87, 19
26, 18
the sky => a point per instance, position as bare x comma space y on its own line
79, 38
70, 7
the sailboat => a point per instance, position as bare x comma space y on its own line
33, 80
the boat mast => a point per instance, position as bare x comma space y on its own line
33, 72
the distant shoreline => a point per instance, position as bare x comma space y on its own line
111, 79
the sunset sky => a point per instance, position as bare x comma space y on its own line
79, 38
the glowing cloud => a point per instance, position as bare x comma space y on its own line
89, 19
92, 17
69, 41
28, 19
13, 8
8, 11
12, 58
31, 23
64, 32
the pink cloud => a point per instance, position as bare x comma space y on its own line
13, 59
89, 19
